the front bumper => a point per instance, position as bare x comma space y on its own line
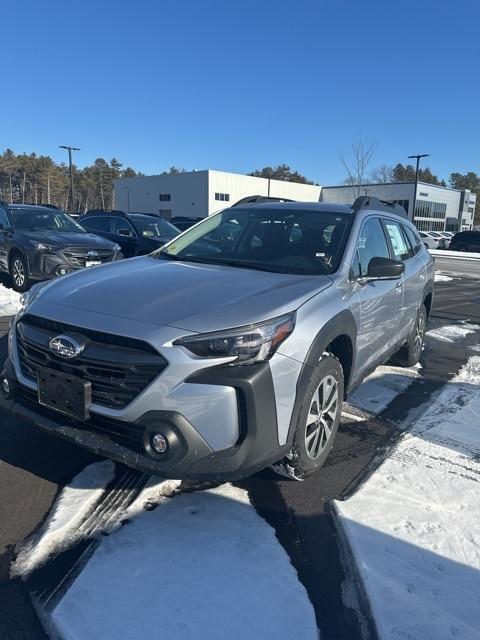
47, 265
189, 456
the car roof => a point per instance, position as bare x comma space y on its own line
32, 206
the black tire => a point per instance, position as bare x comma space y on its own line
462, 247
305, 457
18, 270
410, 353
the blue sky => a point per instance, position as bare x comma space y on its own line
236, 85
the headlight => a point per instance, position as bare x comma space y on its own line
29, 296
247, 345
41, 246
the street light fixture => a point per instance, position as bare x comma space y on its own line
418, 156
70, 149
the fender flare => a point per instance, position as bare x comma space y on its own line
341, 324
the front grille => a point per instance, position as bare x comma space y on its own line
77, 256
118, 368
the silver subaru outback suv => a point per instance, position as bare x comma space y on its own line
231, 348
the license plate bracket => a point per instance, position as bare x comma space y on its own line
62, 392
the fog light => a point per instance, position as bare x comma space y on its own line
159, 443
6, 386
61, 271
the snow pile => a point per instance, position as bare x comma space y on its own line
9, 301
459, 255
202, 566
63, 526
413, 526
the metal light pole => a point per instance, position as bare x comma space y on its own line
70, 149
418, 156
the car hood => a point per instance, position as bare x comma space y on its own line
64, 239
194, 297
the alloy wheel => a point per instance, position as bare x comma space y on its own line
419, 333
18, 273
321, 417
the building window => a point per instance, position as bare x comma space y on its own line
471, 209
224, 197
424, 209
164, 197
165, 213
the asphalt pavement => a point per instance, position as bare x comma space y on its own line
34, 467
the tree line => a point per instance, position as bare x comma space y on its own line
37, 179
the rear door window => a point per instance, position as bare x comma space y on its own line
413, 240
397, 240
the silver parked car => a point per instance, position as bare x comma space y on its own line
231, 348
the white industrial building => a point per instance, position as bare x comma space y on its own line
437, 208
201, 193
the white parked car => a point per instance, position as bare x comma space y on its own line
432, 239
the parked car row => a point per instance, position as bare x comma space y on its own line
436, 239
42, 242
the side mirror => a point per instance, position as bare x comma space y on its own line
125, 232
384, 269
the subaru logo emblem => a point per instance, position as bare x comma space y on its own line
65, 347
92, 254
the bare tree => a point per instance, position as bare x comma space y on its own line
356, 168
382, 174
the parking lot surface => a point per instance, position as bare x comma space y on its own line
34, 468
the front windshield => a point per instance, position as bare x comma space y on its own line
281, 240
44, 220
150, 227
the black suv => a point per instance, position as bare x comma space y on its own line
466, 241
136, 233
40, 242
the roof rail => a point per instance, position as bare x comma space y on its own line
260, 199
370, 202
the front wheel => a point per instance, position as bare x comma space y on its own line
19, 273
318, 420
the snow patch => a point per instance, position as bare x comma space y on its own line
441, 278
9, 301
381, 387
452, 332
63, 526
413, 525
201, 566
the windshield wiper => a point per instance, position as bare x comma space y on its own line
227, 262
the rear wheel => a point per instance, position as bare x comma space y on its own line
19, 273
318, 421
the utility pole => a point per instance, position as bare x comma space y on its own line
70, 149
418, 156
